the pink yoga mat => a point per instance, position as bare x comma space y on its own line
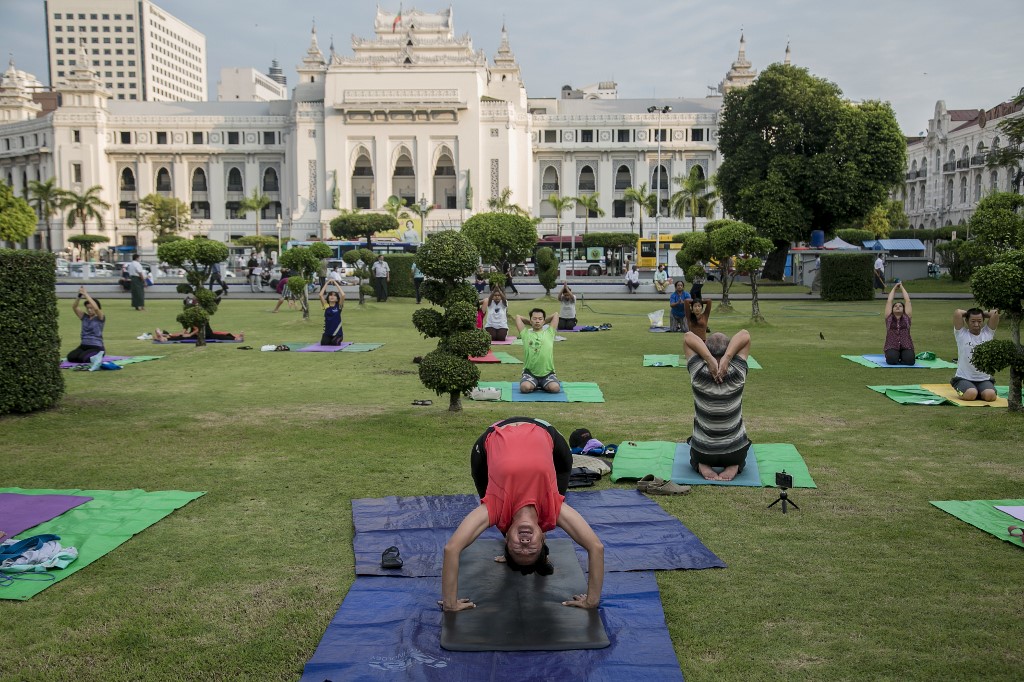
509, 340
490, 357
19, 512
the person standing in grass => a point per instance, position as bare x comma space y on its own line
333, 302
899, 347
381, 277
538, 352
417, 280
137, 276
718, 374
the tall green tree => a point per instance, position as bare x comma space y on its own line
84, 207
447, 259
561, 205
799, 158
501, 238
645, 200
45, 196
164, 216
695, 191
503, 204
17, 219
255, 202
591, 207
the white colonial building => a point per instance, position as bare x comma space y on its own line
413, 111
947, 172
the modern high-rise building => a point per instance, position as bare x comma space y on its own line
248, 85
138, 50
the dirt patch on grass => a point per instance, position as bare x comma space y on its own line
262, 415
396, 371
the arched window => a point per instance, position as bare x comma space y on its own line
127, 180
445, 183
952, 156
549, 182
938, 161
995, 143
949, 192
235, 180
403, 180
913, 166
913, 199
965, 153
993, 180
920, 199
588, 180
963, 190
981, 147
163, 180
270, 183
362, 182
977, 187
623, 178
199, 180
659, 179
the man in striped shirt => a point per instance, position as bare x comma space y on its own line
718, 373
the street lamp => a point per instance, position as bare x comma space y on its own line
277, 224
657, 214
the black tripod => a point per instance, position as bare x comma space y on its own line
784, 499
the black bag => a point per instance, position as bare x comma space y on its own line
579, 438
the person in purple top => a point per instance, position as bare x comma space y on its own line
679, 300
332, 302
92, 328
899, 347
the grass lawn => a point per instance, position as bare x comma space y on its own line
866, 581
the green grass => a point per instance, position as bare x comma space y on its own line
866, 581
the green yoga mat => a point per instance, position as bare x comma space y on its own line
984, 515
97, 527
909, 394
636, 459
937, 363
676, 361
575, 391
137, 358
507, 358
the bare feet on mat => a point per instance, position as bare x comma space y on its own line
708, 473
729, 473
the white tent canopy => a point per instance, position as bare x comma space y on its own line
838, 243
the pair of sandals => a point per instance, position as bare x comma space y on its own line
281, 347
244, 348
652, 485
423, 403
390, 558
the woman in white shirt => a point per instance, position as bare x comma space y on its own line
496, 315
567, 313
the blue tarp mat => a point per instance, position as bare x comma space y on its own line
637, 534
537, 396
682, 472
389, 629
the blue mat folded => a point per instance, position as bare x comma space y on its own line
682, 472
391, 629
538, 396
637, 533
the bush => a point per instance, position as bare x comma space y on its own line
362, 225
30, 377
847, 276
17, 219
547, 269
857, 237
401, 274
963, 257
996, 355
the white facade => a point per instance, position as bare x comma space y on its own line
946, 174
248, 85
413, 111
138, 50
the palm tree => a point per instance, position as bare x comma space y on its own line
561, 204
590, 203
645, 199
257, 202
695, 191
46, 198
503, 203
84, 207
395, 206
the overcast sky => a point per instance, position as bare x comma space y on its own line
908, 52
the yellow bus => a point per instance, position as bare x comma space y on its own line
646, 254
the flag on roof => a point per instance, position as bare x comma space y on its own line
398, 19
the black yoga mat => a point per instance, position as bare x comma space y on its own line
516, 612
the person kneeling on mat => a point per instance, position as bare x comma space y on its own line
718, 373
971, 328
521, 470
538, 352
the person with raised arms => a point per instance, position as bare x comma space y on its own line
899, 347
971, 328
332, 302
538, 352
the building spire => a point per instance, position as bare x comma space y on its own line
788, 60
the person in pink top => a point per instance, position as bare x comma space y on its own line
521, 470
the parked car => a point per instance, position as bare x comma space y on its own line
93, 270
62, 268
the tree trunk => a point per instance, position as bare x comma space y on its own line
726, 283
304, 301
775, 264
362, 296
755, 305
455, 402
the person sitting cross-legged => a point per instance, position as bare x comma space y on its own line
538, 352
718, 373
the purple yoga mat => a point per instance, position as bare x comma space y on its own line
317, 348
20, 512
106, 358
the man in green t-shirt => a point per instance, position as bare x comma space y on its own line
539, 352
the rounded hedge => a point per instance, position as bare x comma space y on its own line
30, 377
448, 255
443, 372
428, 322
470, 343
847, 276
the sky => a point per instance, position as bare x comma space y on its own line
910, 53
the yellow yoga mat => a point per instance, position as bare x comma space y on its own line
950, 394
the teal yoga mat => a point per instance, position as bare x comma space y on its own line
573, 392
361, 347
683, 473
677, 361
875, 361
984, 515
97, 527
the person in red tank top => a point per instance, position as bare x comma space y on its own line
521, 470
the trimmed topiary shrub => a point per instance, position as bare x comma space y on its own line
853, 236
30, 377
847, 276
197, 257
547, 269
